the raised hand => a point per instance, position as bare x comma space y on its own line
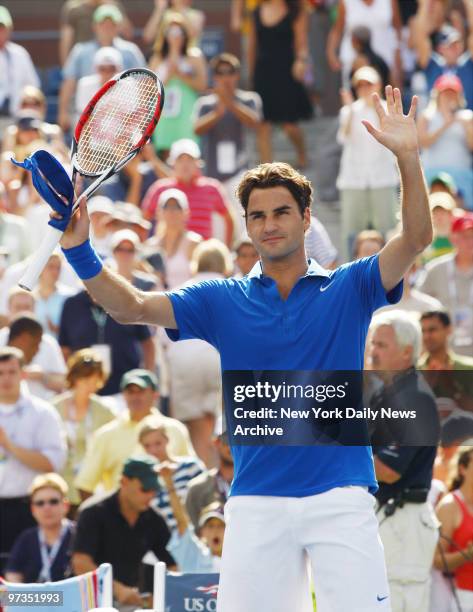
397, 132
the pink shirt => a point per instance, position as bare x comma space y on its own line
205, 196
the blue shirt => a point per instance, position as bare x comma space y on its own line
463, 69
321, 326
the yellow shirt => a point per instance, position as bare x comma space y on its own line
114, 443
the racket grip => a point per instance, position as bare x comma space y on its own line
40, 258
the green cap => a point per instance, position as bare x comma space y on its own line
144, 379
144, 470
108, 11
5, 17
445, 179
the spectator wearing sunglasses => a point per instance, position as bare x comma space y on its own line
221, 119
42, 553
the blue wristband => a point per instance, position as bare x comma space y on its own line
84, 259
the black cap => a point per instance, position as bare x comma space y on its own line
144, 470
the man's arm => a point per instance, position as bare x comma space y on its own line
421, 34
469, 17
65, 96
149, 353
385, 473
118, 297
31, 458
398, 133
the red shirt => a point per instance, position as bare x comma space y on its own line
205, 196
462, 536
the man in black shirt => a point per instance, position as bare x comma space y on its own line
121, 529
408, 526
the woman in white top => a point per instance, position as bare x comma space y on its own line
383, 19
368, 178
171, 237
446, 135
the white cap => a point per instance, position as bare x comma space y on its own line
100, 204
108, 56
366, 73
185, 146
122, 235
173, 194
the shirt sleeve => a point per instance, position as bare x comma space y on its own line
162, 536
93, 465
193, 312
219, 201
190, 554
367, 279
398, 458
87, 536
20, 553
71, 67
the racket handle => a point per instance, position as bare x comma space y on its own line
40, 258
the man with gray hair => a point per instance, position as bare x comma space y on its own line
404, 459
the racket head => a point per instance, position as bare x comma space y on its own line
117, 122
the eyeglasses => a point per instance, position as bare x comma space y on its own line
124, 250
54, 501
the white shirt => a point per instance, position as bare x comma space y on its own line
365, 163
35, 425
16, 71
49, 357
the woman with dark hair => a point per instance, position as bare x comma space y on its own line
81, 410
278, 61
366, 56
183, 71
454, 553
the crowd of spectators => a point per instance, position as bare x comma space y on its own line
111, 443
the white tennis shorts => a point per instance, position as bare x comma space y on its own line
273, 544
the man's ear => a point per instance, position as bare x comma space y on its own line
306, 216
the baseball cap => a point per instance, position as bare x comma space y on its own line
173, 194
456, 428
448, 81
122, 235
108, 11
213, 510
366, 73
142, 378
448, 35
144, 470
5, 17
184, 146
442, 200
108, 56
463, 223
446, 180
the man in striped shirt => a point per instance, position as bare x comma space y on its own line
205, 195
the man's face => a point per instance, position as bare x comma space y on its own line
442, 221
224, 450
137, 497
246, 258
225, 76
29, 344
451, 52
185, 168
139, 400
4, 35
463, 242
106, 29
20, 302
275, 224
10, 379
385, 353
434, 334
48, 507
212, 532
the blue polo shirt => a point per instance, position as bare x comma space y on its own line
322, 325
463, 69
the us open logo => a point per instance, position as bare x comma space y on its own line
201, 604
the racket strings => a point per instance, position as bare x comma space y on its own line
117, 122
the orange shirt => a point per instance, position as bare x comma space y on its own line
462, 536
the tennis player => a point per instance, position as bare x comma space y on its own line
290, 506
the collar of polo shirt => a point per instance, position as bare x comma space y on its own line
314, 269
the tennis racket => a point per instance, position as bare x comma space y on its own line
112, 130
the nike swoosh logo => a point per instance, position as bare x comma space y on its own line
325, 287
381, 598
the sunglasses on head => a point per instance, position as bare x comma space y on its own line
54, 501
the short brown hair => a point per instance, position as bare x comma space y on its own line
225, 58
82, 364
365, 236
151, 424
276, 174
50, 480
